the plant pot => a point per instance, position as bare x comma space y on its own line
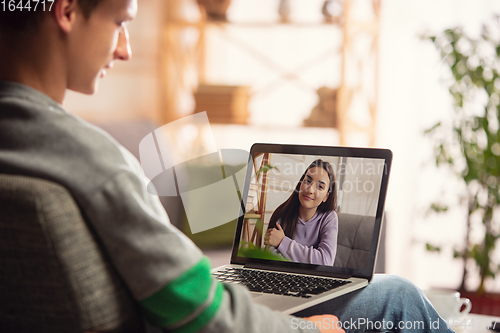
486, 303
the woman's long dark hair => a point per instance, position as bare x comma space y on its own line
288, 211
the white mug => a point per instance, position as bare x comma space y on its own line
448, 303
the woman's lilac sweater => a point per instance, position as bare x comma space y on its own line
315, 241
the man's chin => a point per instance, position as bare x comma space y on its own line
90, 90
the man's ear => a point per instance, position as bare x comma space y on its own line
65, 13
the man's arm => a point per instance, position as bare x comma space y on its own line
165, 271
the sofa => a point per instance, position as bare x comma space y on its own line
354, 240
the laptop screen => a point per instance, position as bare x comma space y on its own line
312, 208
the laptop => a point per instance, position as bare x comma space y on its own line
333, 255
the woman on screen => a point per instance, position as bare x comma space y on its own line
304, 228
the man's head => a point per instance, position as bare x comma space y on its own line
29, 18
94, 42
82, 37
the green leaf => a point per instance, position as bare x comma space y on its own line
439, 208
432, 248
432, 129
265, 168
458, 254
260, 254
249, 245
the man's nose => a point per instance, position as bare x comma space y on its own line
123, 50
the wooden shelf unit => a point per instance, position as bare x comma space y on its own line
174, 62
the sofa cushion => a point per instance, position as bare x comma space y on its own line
354, 240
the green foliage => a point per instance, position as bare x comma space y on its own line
249, 250
265, 169
439, 208
432, 248
458, 254
470, 143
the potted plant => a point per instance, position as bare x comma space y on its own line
469, 143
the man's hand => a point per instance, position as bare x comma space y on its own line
330, 319
274, 236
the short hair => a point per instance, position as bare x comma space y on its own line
23, 19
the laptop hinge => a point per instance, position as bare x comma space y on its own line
297, 271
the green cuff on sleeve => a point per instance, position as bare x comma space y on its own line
187, 303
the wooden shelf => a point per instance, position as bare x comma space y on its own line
252, 216
255, 24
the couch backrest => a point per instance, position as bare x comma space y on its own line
354, 240
53, 275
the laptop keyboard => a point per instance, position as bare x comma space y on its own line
279, 283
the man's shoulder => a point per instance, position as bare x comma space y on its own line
16, 94
53, 128
40, 138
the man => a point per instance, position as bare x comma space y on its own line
44, 53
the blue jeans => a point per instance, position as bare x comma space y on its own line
388, 304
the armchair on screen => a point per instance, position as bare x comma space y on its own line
354, 240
